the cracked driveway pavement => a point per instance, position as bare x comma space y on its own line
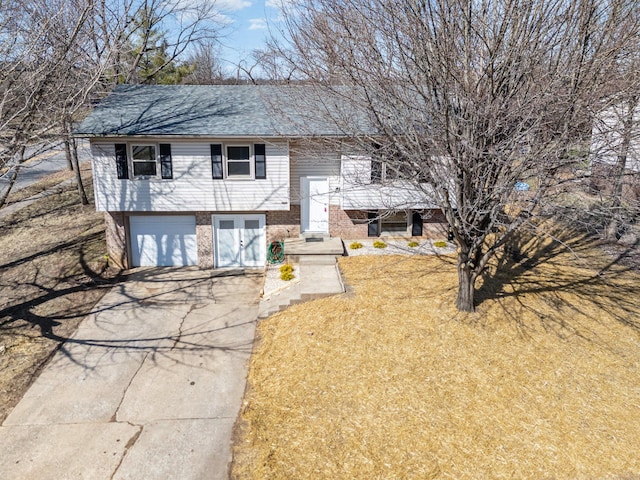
148, 387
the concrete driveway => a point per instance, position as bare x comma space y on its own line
149, 386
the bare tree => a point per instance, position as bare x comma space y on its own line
207, 69
464, 98
615, 148
33, 56
59, 56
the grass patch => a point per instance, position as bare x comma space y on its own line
52, 271
379, 244
355, 245
392, 382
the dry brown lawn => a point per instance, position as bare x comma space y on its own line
52, 272
389, 381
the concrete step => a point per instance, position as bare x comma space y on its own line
279, 301
319, 277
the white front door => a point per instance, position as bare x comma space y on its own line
315, 204
239, 240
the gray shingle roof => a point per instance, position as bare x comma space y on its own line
204, 110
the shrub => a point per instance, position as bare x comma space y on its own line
286, 268
355, 245
440, 244
286, 276
379, 244
413, 244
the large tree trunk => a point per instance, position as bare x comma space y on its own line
466, 286
12, 180
72, 157
67, 152
76, 167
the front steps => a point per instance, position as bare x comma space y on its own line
319, 277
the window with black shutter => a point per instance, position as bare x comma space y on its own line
144, 161
166, 167
374, 223
416, 227
376, 165
122, 166
216, 161
376, 171
260, 161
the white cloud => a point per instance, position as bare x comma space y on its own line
257, 24
231, 5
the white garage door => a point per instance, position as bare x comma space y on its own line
163, 240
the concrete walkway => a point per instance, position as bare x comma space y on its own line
149, 387
319, 277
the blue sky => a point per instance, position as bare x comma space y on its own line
247, 25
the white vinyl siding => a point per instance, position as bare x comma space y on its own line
192, 188
308, 164
607, 137
357, 192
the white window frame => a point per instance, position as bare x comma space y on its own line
251, 160
132, 161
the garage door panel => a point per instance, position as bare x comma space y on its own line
163, 241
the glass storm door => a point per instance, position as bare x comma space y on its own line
239, 240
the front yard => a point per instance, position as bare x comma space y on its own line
389, 381
52, 272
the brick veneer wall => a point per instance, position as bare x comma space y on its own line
204, 236
434, 225
352, 224
115, 234
347, 223
283, 224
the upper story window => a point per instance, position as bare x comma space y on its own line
144, 160
389, 165
238, 161
382, 172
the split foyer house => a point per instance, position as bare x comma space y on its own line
208, 175
615, 137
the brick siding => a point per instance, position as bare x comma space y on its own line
283, 224
204, 237
115, 234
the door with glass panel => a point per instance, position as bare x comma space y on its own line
239, 240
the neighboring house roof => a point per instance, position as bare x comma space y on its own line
209, 110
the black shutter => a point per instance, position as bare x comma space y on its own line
122, 166
416, 227
372, 230
261, 161
166, 167
376, 171
216, 161
376, 165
